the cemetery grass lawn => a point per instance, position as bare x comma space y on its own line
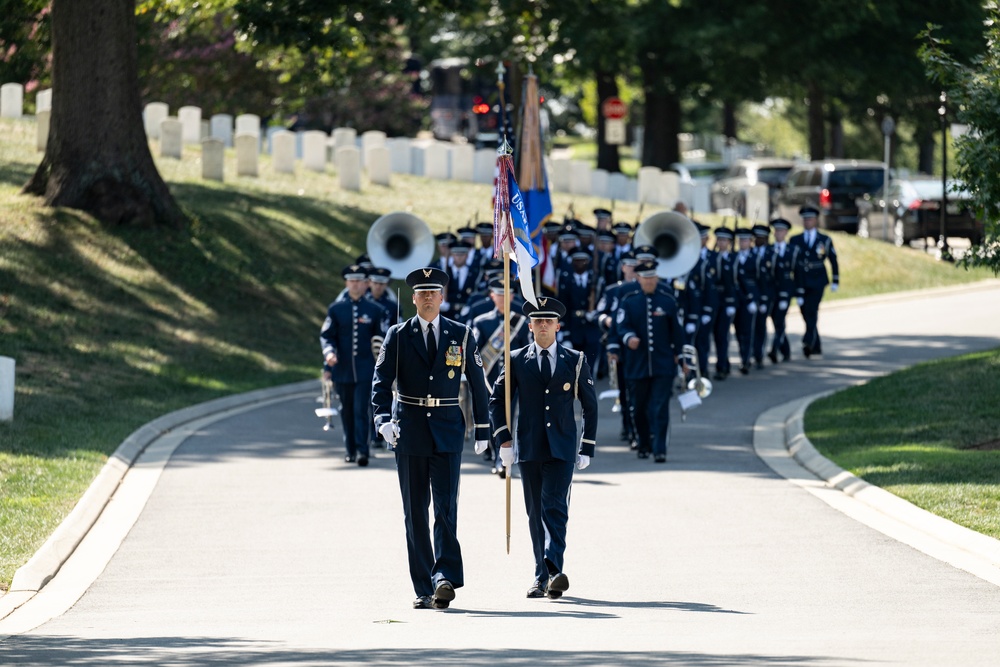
112, 328
929, 434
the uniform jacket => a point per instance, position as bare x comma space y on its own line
810, 271
580, 331
764, 261
459, 295
608, 306
488, 330
546, 426
652, 318
428, 430
783, 271
350, 330
746, 279
725, 279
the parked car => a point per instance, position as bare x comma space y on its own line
914, 212
832, 186
729, 192
698, 173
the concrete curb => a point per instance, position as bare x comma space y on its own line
43, 566
938, 537
910, 295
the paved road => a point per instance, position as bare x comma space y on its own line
259, 545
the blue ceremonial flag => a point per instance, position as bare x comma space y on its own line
511, 226
531, 169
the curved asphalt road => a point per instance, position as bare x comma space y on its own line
259, 545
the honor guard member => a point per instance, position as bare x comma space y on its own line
765, 288
569, 240
351, 338
652, 341
546, 378
426, 357
602, 218
444, 241
607, 263
379, 292
576, 292
484, 231
747, 298
489, 333
467, 235
702, 275
623, 238
607, 308
462, 280
815, 248
726, 296
783, 260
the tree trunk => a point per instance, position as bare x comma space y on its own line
928, 146
836, 135
729, 120
662, 121
607, 154
97, 158
817, 148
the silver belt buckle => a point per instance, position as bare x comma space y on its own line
432, 402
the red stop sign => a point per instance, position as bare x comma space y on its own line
614, 108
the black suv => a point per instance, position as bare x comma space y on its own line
831, 186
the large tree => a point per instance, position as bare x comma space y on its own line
97, 158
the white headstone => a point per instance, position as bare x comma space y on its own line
579, 177
370, 139
283, 152
463, 157
152, 115
701, 198
247, 149
618, 186
348, 160
631, 189
11, 100
560, 175
213, 158
418, 157
206, 131
599, 183
190, 118
6, 389
649, 185
43, 100
485, 165
436, 161
271, 131
379, 165
248, 123
400, 155
344, 136
222, 128
758, 202
670, 188
42, 129
171, 137
314, 150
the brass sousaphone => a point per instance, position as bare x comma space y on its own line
400, 242
676, 240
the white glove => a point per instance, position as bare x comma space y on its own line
752, 308
690, 327
799, 300
834, 287
390, 432
507, 456
730, 311
582, 461
763, 309
705, 319
782, 305
481, 446
591, 314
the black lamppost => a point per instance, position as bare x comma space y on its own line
945, 253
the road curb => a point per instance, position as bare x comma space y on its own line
781, 428
43, 566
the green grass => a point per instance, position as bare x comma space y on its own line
929, 434
114, 327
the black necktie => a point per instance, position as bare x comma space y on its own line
432, 345
546, 367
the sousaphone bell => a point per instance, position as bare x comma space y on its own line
676, 240
400, 242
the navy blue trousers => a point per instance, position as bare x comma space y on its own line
651, 412
546, 487
355, 408
810, 313
780, 344
723, 323
422, 478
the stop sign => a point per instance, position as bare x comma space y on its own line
614, 108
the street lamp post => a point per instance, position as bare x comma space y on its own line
943, 249
888, 126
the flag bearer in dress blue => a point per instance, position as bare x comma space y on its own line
426, 357
652, 340
351, 337
546, 378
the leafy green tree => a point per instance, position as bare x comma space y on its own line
974, 96
25, 42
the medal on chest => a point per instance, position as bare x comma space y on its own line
453, 355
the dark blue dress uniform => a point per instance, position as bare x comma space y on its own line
353, 330
784, 257
747, 299
702, 277
726, 296
607, 310
431, 433
575, 291
815, 248
651, 368
765, 289
547, 444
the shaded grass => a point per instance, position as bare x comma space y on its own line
929, 434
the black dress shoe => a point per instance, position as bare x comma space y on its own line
661, 458
423, 602
558, 584
643, 454
786, 357
718, 376
744, 369
633, 445
488, 455
362, 461
349, 459
806, 352
773, 356
537, 590
760, 364
443, 594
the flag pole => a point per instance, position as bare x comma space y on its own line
505, 147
